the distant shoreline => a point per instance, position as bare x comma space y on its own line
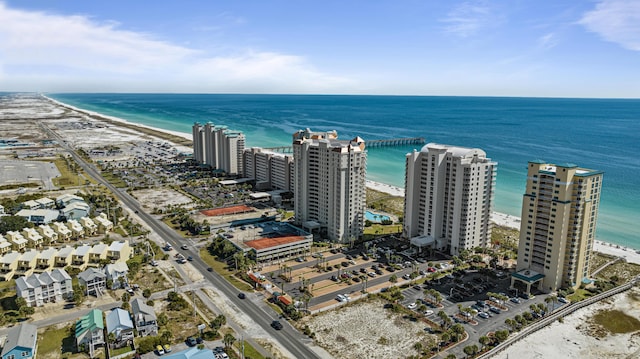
501, 219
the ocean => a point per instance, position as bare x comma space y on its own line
600, 134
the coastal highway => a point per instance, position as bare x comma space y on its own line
289, 338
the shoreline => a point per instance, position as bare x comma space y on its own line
500, 219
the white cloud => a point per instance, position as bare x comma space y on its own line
617, 21
547, 41
467, 19
49, 52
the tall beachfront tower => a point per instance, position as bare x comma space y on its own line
449, 197
218, 147
268, 168
559, 214
329, 184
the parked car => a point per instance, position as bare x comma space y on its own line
406, 276
191, 341
184, 246
495, 310
167, 348
159, 349
563, 300
516, 300
483, 315
341, 298
412, 306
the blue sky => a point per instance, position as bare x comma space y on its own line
543, 48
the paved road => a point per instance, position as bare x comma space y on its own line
289, 338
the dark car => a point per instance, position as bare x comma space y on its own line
276, 325
191, 341
241, 295
210, 269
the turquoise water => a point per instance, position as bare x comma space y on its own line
374, 217
602, 134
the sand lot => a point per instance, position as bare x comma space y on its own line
366, 330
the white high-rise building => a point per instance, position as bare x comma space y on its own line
218, 147
329, 184
268, 168
449, 197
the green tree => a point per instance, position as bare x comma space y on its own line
484, 341
146, 293
501, 335
228, 340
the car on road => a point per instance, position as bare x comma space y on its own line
191, 341
184, 246
209, 269
159, 349
341, 298
241, 295
406, 276
276, 325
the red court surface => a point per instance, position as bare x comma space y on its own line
227, 210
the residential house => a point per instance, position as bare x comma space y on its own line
8, 265
75, 210
30, 205
144, 318
34, 239
90, 228
48, 234
63, 258
117, 273
77, 231
90, 331
47, 287
5, 246
93, 281
80, 257
21, 342
192, 353
66, 199
64, 234
46, 203
19, 243
27, 263
45, 260
119, 323
119, 251
39, 216
97, 254
104, 224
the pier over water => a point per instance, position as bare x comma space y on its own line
406, 141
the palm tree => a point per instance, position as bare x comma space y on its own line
228, 340
484, 340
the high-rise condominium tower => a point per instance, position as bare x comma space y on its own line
218, 147
559, 214
449, 197
329, 184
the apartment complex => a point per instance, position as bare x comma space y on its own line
218, 147
46, 287
559, 214
270, 170
449, 197
329, 184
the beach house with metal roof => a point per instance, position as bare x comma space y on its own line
34, 239
94, 281
80, 257
144, 318
119, 251
44, 261
27, 263
8, 265
104, 224
117, 273
66, 199
97, 254
90, 331
90, 228
63, 258
5, 246
19, 243
21, 342
77, 231
119, 323
64, 234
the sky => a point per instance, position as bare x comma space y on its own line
543, 48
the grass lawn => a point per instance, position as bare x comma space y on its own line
249, 351
116, 352
68, 177
579, 295
383, 229
58, 342
220, 268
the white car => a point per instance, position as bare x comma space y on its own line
412, 306
341, 298
562, 300
428, 312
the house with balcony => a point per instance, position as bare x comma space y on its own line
62, 259
45, 260
119, 251
47, 287
80, 257
30, 205
77, 231
104, 224
19, 243
5, 246
75, 210
46, 203
97, 253
90, 332
117, 273
144, 318
66, 199
48, 234
120, 325
34, 239
64, 234
94, 281
39, 216
90, 228
27, 263
21, 342
8, 265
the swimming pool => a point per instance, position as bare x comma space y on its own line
375, 218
